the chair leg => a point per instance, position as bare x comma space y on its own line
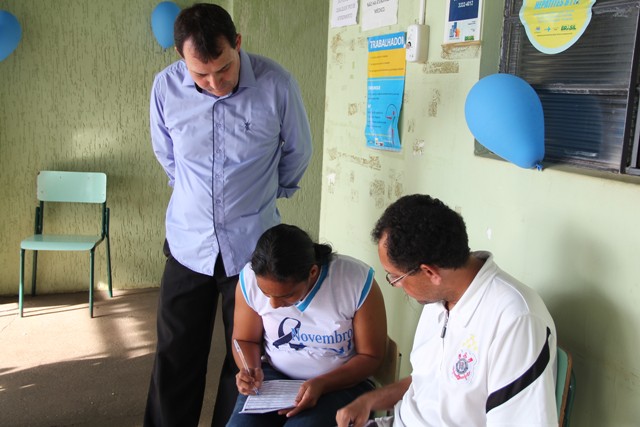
34, 273
21, 285
109, 267
91, 256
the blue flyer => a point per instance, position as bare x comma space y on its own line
385, 88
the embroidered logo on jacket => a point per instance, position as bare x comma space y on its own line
463, 366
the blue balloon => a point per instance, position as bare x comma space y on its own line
10, 34
505, 115
162, 19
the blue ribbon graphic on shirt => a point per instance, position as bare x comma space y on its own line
284, 339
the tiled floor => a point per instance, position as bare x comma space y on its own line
59, 367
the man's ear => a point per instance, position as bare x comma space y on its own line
432, 272
176, 49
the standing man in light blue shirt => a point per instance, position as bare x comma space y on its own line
231, 132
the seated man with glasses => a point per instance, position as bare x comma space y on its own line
484, 352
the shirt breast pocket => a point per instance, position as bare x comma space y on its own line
257, 133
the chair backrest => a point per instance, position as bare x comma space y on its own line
80, 187
389, 371
565, 386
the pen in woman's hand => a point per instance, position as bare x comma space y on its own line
244, 361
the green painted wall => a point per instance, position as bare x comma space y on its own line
294, 33
569, 236
74, 96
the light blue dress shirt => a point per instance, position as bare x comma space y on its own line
228, 159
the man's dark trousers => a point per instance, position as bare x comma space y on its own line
186, 315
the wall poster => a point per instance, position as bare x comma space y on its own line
463, 19
553, 26
385, 88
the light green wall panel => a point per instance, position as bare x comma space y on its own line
75, 95
294, 33
571, 237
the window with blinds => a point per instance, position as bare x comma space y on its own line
589, 92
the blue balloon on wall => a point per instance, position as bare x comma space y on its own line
10, 34
162, 19
505, 115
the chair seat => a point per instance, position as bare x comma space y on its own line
54, 242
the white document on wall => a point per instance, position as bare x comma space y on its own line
274, 395
379, 13
343, 13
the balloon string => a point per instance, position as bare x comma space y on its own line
539, 166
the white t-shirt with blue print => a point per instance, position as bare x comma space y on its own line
315, 335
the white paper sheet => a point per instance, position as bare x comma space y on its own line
274, 395
379, 13
344, 12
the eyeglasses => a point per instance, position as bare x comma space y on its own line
393, 280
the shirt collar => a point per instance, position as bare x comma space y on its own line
468, 303
247, 77
186, 80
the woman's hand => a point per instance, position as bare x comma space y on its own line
308, 395
249, 381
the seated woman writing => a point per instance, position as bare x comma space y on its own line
316, 316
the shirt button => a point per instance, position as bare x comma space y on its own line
218, 201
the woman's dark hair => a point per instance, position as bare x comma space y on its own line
422, 230
204, 24
286, 253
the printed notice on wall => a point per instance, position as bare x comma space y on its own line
379, 13
462, 21
344, 12
385, 87
553, 26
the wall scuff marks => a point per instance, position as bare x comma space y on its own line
433, 105
418, 147
373, 162
395, 189
411, 125
331, 181
460, 51
377, 193
448, 67
336, 44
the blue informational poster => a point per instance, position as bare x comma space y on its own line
385, 88
463, 20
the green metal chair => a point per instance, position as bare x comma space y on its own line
67, 187
565, 387
389, 371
